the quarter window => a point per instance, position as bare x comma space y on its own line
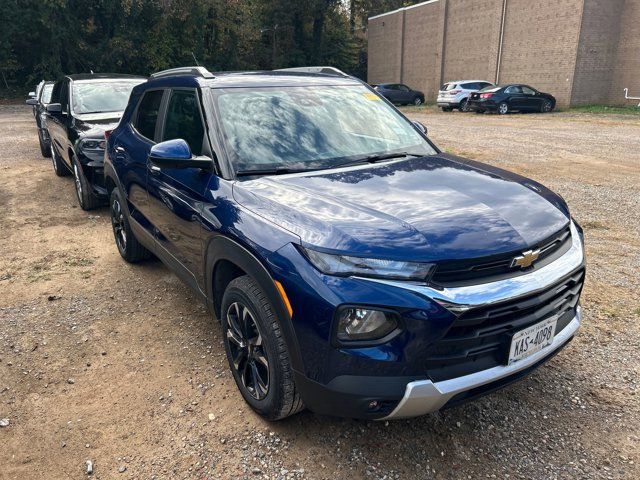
184, 120
148, 114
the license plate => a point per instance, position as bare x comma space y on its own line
532, 339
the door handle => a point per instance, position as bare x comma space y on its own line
154, 169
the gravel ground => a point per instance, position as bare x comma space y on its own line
121, 366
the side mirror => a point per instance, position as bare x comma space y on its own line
32, 94
420, 126
177, 154
54, 108
32, 101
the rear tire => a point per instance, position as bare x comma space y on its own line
257, 352
59, 168
45, 146
128, 246
464, 105
86, 198
503, 108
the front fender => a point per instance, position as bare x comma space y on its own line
222, 248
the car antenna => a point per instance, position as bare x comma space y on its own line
195, 59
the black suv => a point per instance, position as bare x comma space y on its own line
82, 108
39, 103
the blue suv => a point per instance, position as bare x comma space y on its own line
355, 268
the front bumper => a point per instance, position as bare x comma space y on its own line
395, 379
425, 396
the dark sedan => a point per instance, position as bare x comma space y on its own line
400, 94
509, 98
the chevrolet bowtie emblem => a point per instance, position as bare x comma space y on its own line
526, 259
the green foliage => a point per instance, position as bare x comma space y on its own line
46, 38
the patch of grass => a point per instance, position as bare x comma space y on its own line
604, 109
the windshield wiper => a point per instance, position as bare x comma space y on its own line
270, 171
379, 158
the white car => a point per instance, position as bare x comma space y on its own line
456, 94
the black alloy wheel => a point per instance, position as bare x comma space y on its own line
128, 245
547, 106
249, 357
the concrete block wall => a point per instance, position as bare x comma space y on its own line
581, 51
627, 68
540, 44
597, 51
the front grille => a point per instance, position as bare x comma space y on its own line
491, 268
480, 338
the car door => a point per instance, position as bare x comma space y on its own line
131, 150
532, 101
392, 93
515, 97
405, 94
59, 123
176, 195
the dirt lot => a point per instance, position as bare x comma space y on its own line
120, 365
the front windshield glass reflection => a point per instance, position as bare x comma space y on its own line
310, 127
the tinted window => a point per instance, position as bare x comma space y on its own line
484, 85
148, 114
403, 88
470, 86
450, 86
528, 91
98, 96
513, 89
183, 120
64, 96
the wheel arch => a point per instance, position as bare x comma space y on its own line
225, 260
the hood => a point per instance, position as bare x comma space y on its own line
95, 124
431, 208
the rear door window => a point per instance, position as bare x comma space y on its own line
147, 116
470, 86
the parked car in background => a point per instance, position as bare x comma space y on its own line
508, 98
400, 94
456, 94
40, 102
355, 268
82, 108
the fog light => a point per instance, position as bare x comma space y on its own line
365, 324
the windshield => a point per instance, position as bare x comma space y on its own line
310, 127
102, 96
46, 93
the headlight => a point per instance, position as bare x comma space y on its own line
361, 324
345, 265
93, 144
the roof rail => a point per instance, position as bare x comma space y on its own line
322, 70
172, 72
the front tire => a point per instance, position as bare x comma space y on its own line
257, 352
86, 198
547, 106
503, 108
59, 168
128, 245
45, 146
